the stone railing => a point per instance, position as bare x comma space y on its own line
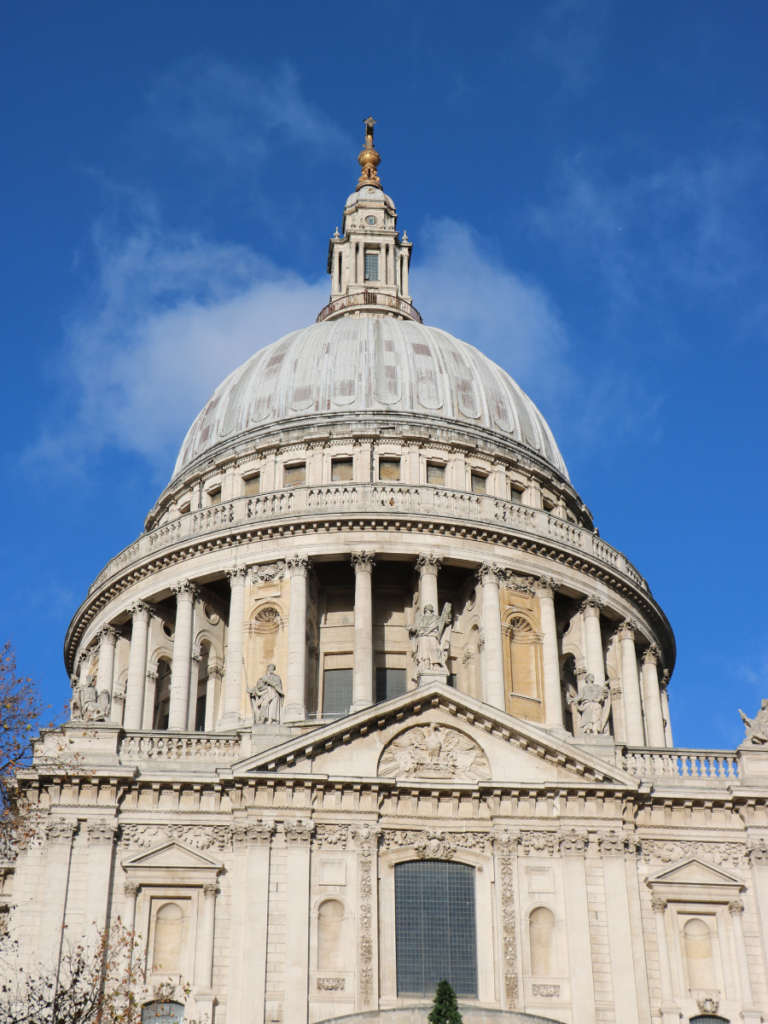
681, 766
370, 298
463, 511
166, 747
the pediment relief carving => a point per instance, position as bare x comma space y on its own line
434, 752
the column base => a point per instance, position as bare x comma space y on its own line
434, 675
360, 705
294, 713
230, 722
751, 1015
668, 1013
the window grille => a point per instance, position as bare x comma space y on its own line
435, 930
337, 691
390, 682
371, 266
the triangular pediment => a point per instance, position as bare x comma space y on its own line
436, 734
172, 855
694, 871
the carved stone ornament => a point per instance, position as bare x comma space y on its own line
615, 844
652, 655
757, 727
708, 1005
434, 752
101, 832
505, 845
334, 836
627, 630
573, 841
108, 635
735, 907
430, 636
298, 565
659, 852
433, 845
757, 852
591, 606
546, 991
428, 565
363, 561
60, 830
253, 833
202, 837
489, 572
367, 837
210, 889
89, 706
237, 575
268, 573
141, 610
267, 698
538, 842
131, 889
593, 705
658, 904
397, 838
330, 984
546, 586
298, 832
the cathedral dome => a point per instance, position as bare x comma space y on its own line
369, 364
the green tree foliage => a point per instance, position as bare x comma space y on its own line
445, 1008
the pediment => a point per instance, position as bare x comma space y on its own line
436, 734
174, 856
694, 872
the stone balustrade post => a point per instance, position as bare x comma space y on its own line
233, 669
362, 672
654, 715
108, 636
553, 697
590, 609
295, 707
493, 655
185, 592
630, 684
137, 666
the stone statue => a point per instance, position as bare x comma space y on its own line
89, 706
757, 727
267, 698
593, 704
430, 637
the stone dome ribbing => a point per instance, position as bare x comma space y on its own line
369, 365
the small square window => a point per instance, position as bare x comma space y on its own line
515, 494
184, 509
371, 266
478, 483
296, 476
252, 485
435, 474
389, 469
341, 469
214, 496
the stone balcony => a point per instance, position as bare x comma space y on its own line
370, 299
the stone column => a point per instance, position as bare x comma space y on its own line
669, 1011
185, 592
258, 837
573, 848
137, 666
149, 698
362, 674
131, 890
553, 697
383, 264
105, 675
654, 716
590, 609
296, 1003
213, 690
210, 890
630, 684
428, 567
758, 862
101, 845
493, 654
295, 708
58, 836
612, 848
748, 1009
664, 685
233, 677
405, 271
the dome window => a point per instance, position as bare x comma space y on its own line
370, 220
252, 485
479, 483
341, 469
214, 496
516, 495
371, 266
435, 474
389, 469
296, 475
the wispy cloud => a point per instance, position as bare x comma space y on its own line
567, 40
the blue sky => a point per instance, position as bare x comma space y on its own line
586, 187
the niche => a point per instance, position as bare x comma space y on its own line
541, 926
168, 944
697, 940
330, 926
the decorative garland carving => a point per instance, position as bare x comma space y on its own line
268, 573
616, 844
367, 841
435, 844
547, 991
202, 837
505, 848
331, 835
330, 984
656, 851
538, 842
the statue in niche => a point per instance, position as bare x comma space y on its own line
89, 706
267, 698
430, 638
593, 705
757, 727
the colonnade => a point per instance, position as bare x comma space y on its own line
644, 703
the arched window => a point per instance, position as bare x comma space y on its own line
435, 928
541, 930
330, 926
162, 1012
698, 953
169, 938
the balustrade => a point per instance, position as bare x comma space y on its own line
681, 765
167, 746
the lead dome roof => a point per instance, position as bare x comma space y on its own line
372, 365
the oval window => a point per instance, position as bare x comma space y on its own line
370, 220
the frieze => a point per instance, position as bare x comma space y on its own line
616, 843
60, 830
268, 573
538, 842
330, 836
254, 833
573, 841
546, 991
101, 832
330, 984
658, 852
435, 844
202, 837
434, 752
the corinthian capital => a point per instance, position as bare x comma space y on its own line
591, 606
651, 655
735, 907
658, 904
141, 611
489, 572
108, 635
185, 590
363, 561
627, 630
237, 576
298, 565
546, 586
428, 565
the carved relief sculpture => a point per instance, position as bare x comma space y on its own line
267, 698
430, 638
433, 752
593, 705
89, 706
757, 727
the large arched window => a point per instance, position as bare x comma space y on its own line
435, 927
330, 923
541, 930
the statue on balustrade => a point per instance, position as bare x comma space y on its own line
267, 698
89, 706
757, 727
430, 638
593, 705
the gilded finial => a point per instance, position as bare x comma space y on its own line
369, 159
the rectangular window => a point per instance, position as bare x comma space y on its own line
478, 483
390, 682
296, 476
452, 679
200, 710
516, 495
389, 469
337, 691
341, 469
435, 474
253, 485
371, 266
214, 496
184, 509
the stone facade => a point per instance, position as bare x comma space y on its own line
367, 628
